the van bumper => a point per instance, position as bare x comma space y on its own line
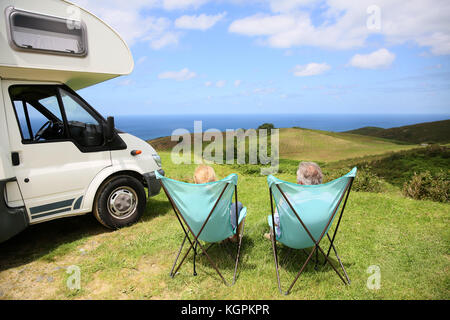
154, 187
12, 220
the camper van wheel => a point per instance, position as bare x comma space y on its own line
120, 202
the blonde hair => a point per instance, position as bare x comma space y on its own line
204, 174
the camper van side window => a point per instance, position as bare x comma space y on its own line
21, 110
38, 113
37, 32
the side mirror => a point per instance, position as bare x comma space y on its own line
109, 129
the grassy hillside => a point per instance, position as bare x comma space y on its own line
316, 145
427, 132
407, 239
398, 167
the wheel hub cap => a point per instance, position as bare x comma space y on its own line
122, 202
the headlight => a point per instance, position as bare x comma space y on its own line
157, 159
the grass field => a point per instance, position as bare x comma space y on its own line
324, 146
407, 239
427, 132
317, 145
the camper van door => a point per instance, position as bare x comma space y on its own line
53, 174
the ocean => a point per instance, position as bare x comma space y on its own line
154, 126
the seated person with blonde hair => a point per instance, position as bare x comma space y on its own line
308, 173
205, 174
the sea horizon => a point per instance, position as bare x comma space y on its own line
148, 127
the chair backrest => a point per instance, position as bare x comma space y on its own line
315, 205
196, 201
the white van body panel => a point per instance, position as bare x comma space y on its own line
51, 176
55, 179
142, 163
13, 196
108, 56
122, 161
5, 160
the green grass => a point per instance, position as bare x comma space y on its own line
407, 239
399, 167
317, 145
427, 132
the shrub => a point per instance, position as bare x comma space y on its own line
365, 180
267, 126
426, 186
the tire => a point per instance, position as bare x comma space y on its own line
120, 202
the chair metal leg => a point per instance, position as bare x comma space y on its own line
241, 235
195, 255
275, 256
340, 262
316, 260
178, 255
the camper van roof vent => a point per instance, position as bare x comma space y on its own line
32, 31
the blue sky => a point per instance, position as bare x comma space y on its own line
284, 56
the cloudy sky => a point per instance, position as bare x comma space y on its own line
278, 56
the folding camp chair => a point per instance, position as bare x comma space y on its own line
203, 211
306, 213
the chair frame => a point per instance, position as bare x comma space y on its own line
316, 248
196, 242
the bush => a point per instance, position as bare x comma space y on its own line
267, 126
426, 186
365, 180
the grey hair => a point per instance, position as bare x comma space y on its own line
309, 173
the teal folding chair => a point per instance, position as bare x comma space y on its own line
306, 213
203, 211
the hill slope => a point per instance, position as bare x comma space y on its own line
427, 132
316, 145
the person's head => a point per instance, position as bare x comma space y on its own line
204, 174
309, 173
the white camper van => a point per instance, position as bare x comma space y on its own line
58, 156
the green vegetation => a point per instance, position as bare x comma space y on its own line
315, 145
425, 186
267, 126
427, 132
408, 239
399, 167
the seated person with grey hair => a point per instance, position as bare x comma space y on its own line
308, 173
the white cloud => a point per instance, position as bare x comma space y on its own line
208, 84
128, 19
438, 42
163, 39
311, 69
141, 60
183, 4
237, 83
343, 24
288, 5
264, 91
201, 22
378, 59
261, 24
126, 82
182, 75
221, 83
